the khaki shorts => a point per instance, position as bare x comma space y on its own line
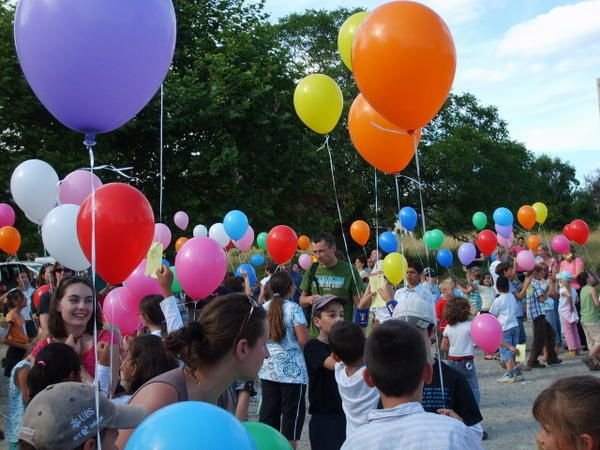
592, 334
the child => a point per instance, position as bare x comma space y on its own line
327, 427
447, 287
430, 277
152, 316
486, 292
568, 314
347, 342
17, 398
458, 342
397, 364
16, 338
505, 309
474, 275
568, 414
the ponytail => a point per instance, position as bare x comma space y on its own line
56, 362
281, 284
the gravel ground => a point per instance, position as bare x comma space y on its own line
506, 408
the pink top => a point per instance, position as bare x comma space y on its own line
574, 267
88, 359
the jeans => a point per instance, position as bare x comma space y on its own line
522, 335
553, 321
467, 368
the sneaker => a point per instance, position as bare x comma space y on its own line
507, 378
537, 365
571, 354
519, 377
555, 362
485, 436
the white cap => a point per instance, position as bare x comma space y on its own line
415, 310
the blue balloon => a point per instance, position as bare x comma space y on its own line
251, 273
503, 217
408, 218
190, 426
236, 224
445, 258
388, 242
257, 259
165, 262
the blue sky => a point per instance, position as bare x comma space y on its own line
536, 60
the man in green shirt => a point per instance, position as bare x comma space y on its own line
330, 276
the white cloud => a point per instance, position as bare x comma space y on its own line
563, 28
457, 12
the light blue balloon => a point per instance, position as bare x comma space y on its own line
257, 259
251, 273
503, 217
388, 242
190, 426
445, 258
236, 224
408, 218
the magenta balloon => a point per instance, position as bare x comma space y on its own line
525, 261
560, 244
304, 261
246, 241
121, 309
486, 332
7, 215
140, 285
162, 234
95, 64
77, 186
201, 265
466, 253
181, 220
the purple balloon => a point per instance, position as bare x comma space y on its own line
77, 186
504, 231
95, 64
181, 220
466, 253
7, 215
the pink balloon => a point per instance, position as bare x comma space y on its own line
122, 310
201, 265
506, 242
304, 261
77, 186
162, 234
140, 285
246, 241
486, 332
525, 261
560, 244
181, 220
7, 215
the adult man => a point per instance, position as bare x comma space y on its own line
329, 276
24, 284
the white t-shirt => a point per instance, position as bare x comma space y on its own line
358, 399
26, 312
265, 280
493, 273
459, 335
564, 309
505, 308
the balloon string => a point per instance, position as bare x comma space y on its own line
388, 130
398, 200
591, 265
160, 201
376, 218
339, 210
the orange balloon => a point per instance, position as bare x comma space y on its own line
303, 242
387, 151
404, 62
526, 216
10, 240
360, 232
532, 242
179, 243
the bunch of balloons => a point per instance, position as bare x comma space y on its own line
577, 231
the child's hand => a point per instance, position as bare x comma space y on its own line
75, 343
165, 279
515, 350
103, 354
449, 413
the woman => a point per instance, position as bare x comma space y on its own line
575, 266
284, 376
362, 267
53, 277
227, 343
544, 255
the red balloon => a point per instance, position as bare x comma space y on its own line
580, 231
37, 295
487, 242
567, 232
281, 243
124, 230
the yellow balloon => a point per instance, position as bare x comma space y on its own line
541, 212
319, 102
394, 267
346, 37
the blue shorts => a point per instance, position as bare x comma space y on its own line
511, 337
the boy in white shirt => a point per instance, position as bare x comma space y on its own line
347, 342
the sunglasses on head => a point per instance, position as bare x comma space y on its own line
253, 305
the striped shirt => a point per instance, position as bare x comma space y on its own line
409, 427
534, 307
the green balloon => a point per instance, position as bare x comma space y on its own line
433, 239
261, 240
175, 286
266, 437
479, 220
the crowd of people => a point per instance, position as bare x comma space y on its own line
382, 366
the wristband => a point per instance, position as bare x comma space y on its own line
391, 305
361, 317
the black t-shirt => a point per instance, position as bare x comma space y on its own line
458, 395
323, 394
44, 305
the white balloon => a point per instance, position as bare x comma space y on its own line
34, 186
217, 232
59, 234
200, 231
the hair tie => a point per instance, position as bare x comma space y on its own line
276, 295
41, 363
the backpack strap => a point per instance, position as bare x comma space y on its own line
312, 278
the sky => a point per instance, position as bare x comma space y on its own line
536, 60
